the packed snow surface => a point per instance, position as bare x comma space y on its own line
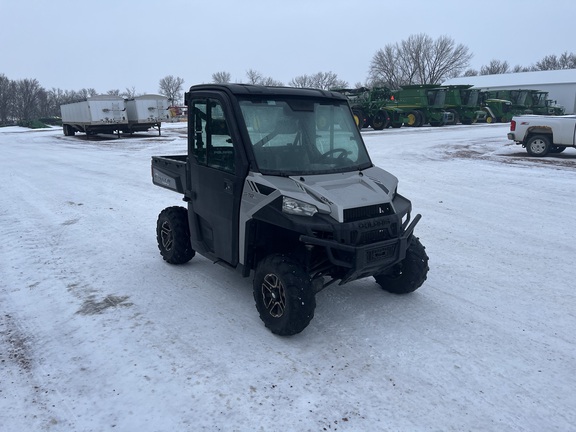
98, 333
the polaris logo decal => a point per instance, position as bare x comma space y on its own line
164, 180
373, 224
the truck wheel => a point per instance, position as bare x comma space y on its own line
68, 130
538, 145
408, 275
284, 295
173, 235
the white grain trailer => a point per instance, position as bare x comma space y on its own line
147, 111
96, 114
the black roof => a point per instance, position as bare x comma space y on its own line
259, 90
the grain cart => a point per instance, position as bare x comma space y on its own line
96, 114
279, 185
147, 111
423, 104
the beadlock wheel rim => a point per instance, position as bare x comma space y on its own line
166, 236
273, 295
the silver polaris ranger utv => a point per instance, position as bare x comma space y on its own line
278, 184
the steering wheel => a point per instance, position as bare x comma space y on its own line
343, 153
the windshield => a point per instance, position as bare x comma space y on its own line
436, 98
299, 137
470, 97
539, 99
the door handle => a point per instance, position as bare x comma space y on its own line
228, 186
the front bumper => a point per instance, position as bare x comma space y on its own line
366, 260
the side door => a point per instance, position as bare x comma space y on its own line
215, 177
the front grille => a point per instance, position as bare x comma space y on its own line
374, 236
368, 212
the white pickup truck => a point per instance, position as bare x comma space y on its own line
541, 135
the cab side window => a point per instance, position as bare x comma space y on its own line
213, 146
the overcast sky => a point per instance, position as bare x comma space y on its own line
119, 44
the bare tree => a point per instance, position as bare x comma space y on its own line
418, 60
444, 60
84, 93
255, 77
113, 92
302, 81
6, 99
470, 73
495, 67
221, 77
552, 62
171, 87
519, 68
129, 93
385, 68
567, 60
320, 80
27, 98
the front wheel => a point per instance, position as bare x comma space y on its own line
284, 294
414, 119
173, 235
538, 145
358, 118
408, 275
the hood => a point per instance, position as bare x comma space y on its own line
333, 193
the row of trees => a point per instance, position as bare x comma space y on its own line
423, 60
320, 80
24, 100
416, 60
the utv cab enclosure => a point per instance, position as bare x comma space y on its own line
279, 185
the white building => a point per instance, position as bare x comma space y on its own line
560, 84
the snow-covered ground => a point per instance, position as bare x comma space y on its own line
98, 333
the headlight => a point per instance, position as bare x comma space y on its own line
296, 207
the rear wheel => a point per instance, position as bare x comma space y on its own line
408, 275
538, 145
68, 130
380, 120
173, 235
414, 119
284, 294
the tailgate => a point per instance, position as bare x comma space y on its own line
170, 172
